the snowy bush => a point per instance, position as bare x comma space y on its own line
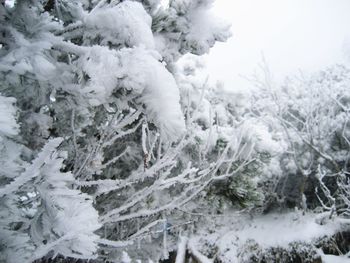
311, 114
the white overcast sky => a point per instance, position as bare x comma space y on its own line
293, 35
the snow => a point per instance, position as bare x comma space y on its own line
8, 124
42, 67
206, 29
266, 231
280, 230
181, 250
69, 220
126, 23
34, 169
10, 158
197, 255
335, 259
125, 257
139, 71
160, 95
102, 66
116, 75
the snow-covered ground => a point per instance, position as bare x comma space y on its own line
239, 234
335, 259
280, 230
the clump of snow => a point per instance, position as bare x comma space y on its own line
125, 257
261, 137
124, 24
102, 68
188, 26
206, 29
160, 94
137, 70
8, 124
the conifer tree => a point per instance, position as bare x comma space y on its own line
99, 111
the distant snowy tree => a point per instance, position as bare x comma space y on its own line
313, 114
222, 121
297, 137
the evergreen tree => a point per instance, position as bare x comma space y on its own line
97, 80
